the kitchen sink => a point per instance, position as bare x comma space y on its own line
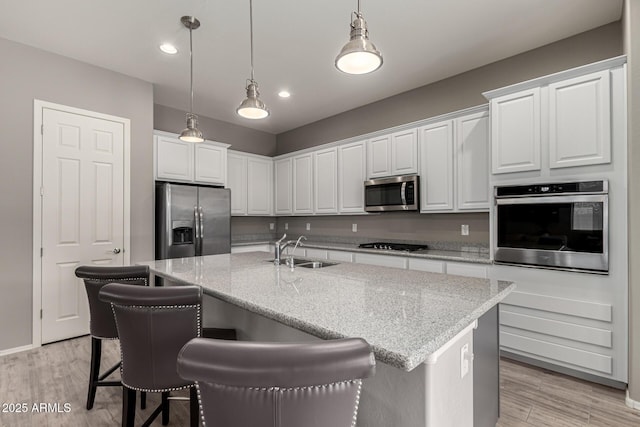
316, 264
296, 261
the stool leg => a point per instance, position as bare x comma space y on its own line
94, 373
143, 400
194, 407
128, 407
165, 408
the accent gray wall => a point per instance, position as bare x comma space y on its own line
631, 32
458, 92
241, 138
28, 74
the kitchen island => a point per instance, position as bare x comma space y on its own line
414, 321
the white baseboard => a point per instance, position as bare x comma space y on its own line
631, 403
15, 350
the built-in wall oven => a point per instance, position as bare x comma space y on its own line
557, 225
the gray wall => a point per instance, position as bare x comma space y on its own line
631, 29
458, 92
241, 138
29, 74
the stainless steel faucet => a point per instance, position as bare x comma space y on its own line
280, 246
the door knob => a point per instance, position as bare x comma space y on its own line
116, 251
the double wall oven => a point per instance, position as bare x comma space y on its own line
557, 225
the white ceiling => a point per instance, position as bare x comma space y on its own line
422, 41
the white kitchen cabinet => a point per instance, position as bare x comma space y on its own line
580, 121
351, 176
316, 253
210, 163
237, 183
515, 132
467, 269
325, 181
181, 161
382, 260
430, 265
283, 186
174, 159
472, 162
436, 167
251, 248
303, 184
340, 256
251, 183
259, 186
394, 154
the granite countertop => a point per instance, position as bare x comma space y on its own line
405, 315
477, 256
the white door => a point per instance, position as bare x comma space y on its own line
82, 213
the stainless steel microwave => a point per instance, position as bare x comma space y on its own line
560, 225
396, 193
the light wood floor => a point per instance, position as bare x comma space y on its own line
57, 373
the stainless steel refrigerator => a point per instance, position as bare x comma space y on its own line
192, 220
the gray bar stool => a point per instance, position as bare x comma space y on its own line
262, 384
102, 325
154, 323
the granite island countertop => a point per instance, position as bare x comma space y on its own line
405, 315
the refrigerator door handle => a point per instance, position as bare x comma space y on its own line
201, 226
196, 226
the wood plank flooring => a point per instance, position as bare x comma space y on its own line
57, 374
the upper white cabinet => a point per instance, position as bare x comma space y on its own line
580, 121
251, 183
436, 167
177, 160
325, 181
351, 176
472, 162
454, 164
283, 186
557, 121
394, 154
303, 184
515, 132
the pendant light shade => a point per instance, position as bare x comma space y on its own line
191, 133
359, 55
252, 107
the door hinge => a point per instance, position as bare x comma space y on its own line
41, 313
41, 129
41, 191
41, 252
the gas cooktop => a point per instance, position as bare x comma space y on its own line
393, 246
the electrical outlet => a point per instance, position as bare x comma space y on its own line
354, 228
464, 360
464, 229
286, 225
272, 226
308, 226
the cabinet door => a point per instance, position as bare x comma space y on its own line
404, 152
174, 159
515, 132
325, 182
259, 186
237, 183
303, 184
436, 167
472, 158
351, 176
283, 186
211, 164
579, 121
379, 157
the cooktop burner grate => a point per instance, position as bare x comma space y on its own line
393, 246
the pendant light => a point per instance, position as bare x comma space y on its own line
252, 107
191, 133
359, 55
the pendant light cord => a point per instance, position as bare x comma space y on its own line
251, 34
191, 66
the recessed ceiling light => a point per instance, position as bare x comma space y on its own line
284, 94
168, 48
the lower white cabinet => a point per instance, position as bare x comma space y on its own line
340, 256
251, 184
432, 266
251, 248
316, 253
467, 269
381, 260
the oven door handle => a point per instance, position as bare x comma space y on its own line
403, 193
534, 200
